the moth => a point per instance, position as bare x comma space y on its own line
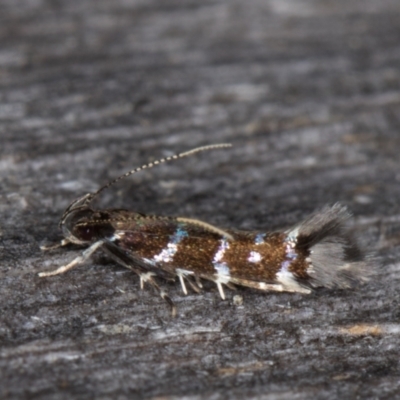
318, 252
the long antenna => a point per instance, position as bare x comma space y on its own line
153, 164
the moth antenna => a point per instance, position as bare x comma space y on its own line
155, 163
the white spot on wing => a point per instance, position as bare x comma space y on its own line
221, 250
254, 257
221, 268
167, 254
284, 276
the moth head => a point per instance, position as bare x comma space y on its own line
76, 211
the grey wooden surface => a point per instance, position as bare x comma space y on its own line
307, 91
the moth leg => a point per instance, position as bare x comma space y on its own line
188, 277
220, 290
63, 243
194, 285
122, 259
258, 285
149, 278
276, 287
78, 260
198, 282
182, 281
144, 277
219, 282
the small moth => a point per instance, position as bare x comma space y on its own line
318, 252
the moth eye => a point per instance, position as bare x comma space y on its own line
86, 233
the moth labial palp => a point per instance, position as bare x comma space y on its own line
318, 252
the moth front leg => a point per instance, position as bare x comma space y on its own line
63, 243
78, 260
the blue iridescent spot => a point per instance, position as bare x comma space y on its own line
179, 235
259, 238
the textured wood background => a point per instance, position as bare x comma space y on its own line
307, 91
